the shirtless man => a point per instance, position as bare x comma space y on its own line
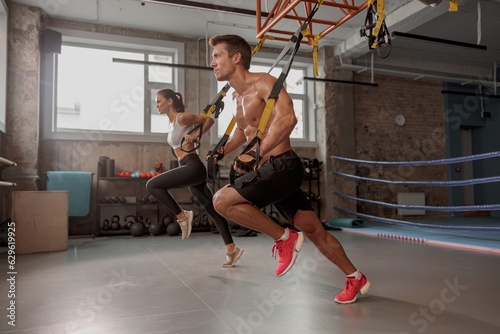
279, 175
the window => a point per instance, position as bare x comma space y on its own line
103, 87
301, 94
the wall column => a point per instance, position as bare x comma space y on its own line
20, 144
335, 134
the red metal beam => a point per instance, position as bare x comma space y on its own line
285, 10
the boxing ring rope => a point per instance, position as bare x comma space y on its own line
462, 208
401, 222
451, 183
446, 161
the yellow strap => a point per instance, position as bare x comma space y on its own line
261, 42
453, 6
232, 123
306, 32
212, 107
271, 101
265, 117
209, 112
315, 43
380, 20
230, 127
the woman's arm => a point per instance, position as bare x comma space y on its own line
187, 119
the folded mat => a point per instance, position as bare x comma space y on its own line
79, 187
346, 222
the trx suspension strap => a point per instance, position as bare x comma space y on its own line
214, 107
211, 168
375, 28
294, 43
453, 6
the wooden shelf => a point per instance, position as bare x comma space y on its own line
115, 178
118, 207
114, 232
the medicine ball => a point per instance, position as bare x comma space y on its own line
173, 229
155, 228
137, 229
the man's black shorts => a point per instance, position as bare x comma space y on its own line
278, 181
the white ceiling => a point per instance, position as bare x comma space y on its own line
476, 22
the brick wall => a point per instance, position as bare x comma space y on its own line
379, 138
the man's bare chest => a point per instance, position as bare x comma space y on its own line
249, 108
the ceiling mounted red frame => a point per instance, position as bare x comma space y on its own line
286, 10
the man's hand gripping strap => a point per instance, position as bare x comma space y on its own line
247, 161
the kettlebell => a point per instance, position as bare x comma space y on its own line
115, 223
105, 225
129, 221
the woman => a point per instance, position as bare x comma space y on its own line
191, 172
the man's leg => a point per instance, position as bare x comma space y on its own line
330, 247
233, 206
230, 204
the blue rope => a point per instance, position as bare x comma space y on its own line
401, 222
462, 208
423, 163
451, 183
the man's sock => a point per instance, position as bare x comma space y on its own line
356, 274
285, 235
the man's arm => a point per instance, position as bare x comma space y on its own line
236, 140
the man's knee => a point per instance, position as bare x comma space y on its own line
309, 223
220, 204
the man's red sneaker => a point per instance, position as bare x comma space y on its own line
287, 251
352, 287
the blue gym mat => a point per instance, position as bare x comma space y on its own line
79, 187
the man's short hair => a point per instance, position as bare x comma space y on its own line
234, 44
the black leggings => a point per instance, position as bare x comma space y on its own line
192, 174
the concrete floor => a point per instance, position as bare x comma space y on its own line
165, 285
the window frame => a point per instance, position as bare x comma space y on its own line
111, 42
4, 38
264, 58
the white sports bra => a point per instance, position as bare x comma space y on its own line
174, 137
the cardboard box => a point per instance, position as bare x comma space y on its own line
41, 219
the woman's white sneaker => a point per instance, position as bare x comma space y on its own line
186, 224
